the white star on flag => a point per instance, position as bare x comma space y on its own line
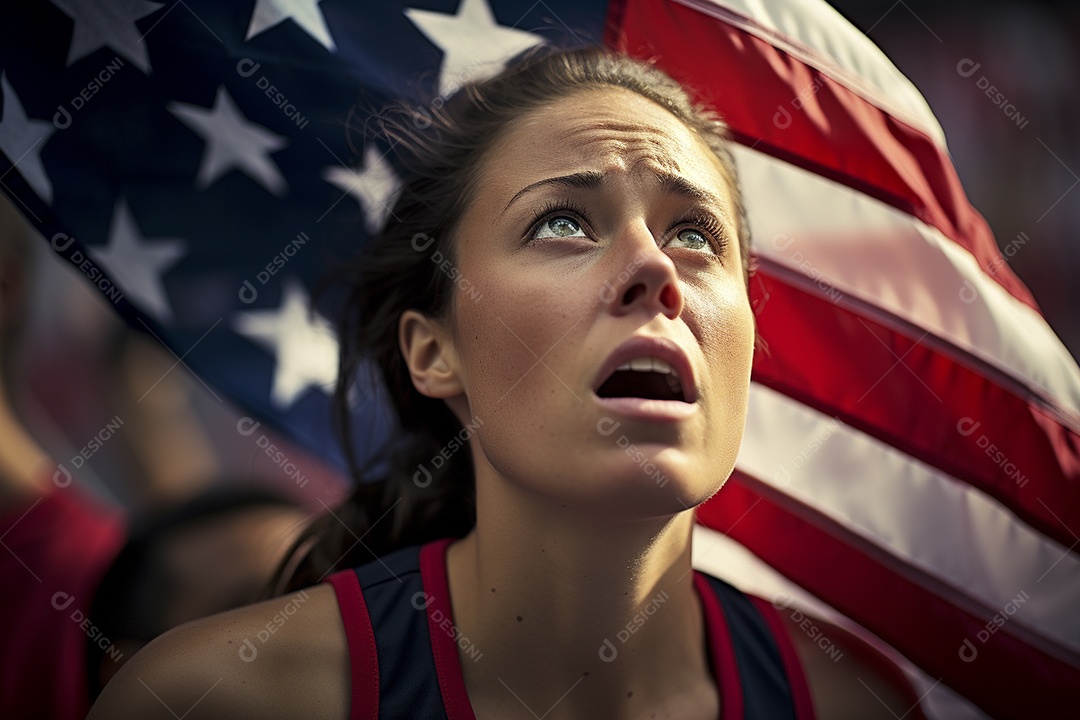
109, 23
137, 264
375, 187
22, 139
232, 141
305, 13
302, 342
473, 44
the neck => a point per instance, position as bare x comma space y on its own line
579, 616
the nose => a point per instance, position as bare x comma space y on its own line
647, 279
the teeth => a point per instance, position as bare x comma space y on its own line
655, 365
650, 365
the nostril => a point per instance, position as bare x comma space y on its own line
669, 297
633, 293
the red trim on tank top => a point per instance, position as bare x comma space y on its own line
800, 690
447, 663
721, 651
363, 656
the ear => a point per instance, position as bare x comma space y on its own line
430, 355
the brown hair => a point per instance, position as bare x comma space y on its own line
443, 150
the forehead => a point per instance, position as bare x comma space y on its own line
609, 130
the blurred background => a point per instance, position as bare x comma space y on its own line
118, 409
1003, 78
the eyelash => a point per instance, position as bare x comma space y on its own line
712, 228
714, 231
554, 208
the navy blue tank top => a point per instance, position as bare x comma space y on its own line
404, 646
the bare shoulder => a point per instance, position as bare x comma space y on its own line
286, 657
848, 678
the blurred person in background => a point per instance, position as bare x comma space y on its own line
87, 586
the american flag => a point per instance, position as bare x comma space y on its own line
911, 466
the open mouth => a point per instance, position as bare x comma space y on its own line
647, 378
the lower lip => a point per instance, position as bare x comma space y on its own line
645, 409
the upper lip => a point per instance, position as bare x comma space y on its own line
651, 347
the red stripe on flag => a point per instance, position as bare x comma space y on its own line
1006, 677
836, 133
831, 359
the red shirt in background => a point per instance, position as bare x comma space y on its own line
53, 553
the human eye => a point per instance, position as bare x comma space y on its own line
691, 238
558, 226
557, 220
700, 232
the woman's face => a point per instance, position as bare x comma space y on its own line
597, 220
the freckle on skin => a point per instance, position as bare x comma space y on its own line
630, 694
519, 618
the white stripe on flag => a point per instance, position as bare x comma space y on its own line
930, 520
868, 250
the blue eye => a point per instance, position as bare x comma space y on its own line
691, 238
559, 226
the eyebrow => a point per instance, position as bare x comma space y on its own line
587, 180
681, 186
591, 179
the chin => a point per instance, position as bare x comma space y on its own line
643, 482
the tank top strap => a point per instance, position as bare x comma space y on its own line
385, 608
360, 637
764, 679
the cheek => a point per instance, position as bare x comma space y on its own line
523, 406
726, 332
502, 337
